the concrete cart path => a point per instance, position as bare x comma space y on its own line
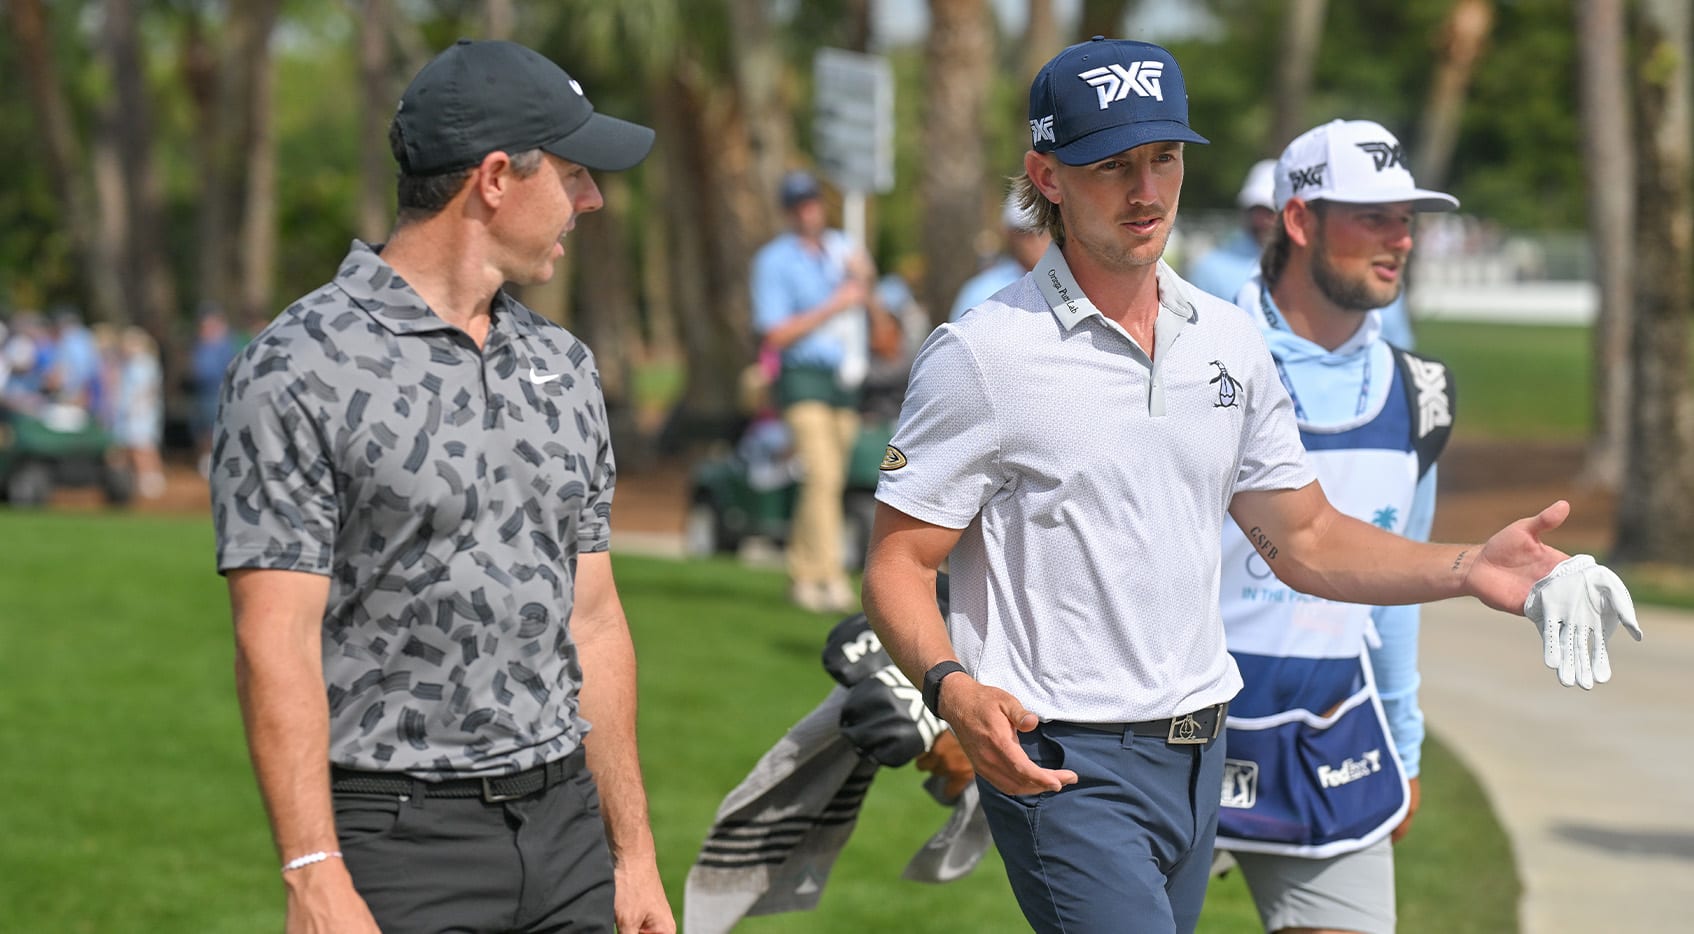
1595, 789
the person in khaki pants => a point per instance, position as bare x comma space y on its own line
810, 286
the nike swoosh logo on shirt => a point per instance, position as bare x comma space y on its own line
539, 378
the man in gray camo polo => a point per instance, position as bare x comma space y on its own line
412, 485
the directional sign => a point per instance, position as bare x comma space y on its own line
853, 119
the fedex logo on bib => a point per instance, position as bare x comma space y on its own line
1350, 770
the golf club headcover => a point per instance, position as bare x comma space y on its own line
853, 652
885, 719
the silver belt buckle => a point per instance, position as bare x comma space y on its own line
1187, 731
494, 797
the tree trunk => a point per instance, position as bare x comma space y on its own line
258, 214
1608, 151
1463, 36
960, 59
144, 264
1102, 18
1040, 42
66, 166
858, 17
1302, 34
712, 186
605, 288
606, 319
499, 19
379, 93
758, 84
1656, 508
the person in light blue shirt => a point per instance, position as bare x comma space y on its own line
1222, 270
1025, 243
810, 287
1331, 688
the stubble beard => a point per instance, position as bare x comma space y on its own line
1113, 254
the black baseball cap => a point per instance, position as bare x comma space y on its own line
480, 97
1099, 98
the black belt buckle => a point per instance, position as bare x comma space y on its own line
494, 797
1187, 731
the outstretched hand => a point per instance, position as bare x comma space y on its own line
1514, 558
987, 721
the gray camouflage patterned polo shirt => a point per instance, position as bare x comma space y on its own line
445, 492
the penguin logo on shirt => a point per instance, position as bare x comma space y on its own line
892, 459
1229, 388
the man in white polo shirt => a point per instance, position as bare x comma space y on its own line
1074, 444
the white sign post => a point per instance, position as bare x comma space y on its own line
853, 129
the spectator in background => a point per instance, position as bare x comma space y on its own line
73, 377
1025, 242
25, 350
1222, 270
810, 286
138, 412
214, 348
897, 329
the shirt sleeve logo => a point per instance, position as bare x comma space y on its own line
892, 459
1229, 388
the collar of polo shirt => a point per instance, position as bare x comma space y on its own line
1072, 307
374, 286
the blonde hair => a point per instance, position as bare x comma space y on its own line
1041, 213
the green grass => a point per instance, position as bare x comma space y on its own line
1514, 381
127, 803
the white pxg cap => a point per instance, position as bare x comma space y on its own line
1354, 162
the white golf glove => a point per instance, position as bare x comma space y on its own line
1578, 607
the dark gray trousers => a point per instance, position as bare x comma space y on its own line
430, 865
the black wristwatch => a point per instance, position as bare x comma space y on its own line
932, 683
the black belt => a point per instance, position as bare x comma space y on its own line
490, 788
1190, 729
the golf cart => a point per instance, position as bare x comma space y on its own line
745, 493
57, 446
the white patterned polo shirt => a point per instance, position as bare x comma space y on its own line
1091, 482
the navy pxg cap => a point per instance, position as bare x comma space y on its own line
480, 97
1099, 98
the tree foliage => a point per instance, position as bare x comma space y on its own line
728, 82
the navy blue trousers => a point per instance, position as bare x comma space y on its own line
1128, 848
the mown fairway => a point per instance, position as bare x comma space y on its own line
127, 803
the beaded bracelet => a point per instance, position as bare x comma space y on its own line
301, 862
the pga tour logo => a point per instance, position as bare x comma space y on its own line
1240, 783
1114, 82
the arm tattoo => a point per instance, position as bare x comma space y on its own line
1460, 559
1262, 542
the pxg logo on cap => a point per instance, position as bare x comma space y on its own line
1355, 162
1099, 98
